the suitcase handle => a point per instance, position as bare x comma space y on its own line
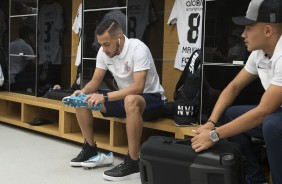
186, 141
146, 172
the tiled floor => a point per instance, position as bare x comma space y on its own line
28, 157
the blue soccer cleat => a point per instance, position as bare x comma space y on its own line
99, 160
77, 102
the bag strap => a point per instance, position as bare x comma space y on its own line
180, 82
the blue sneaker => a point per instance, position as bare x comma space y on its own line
77, 102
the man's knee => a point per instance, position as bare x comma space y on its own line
80, 110
271, 130
83, 112
232, 113
225, 118
134, 103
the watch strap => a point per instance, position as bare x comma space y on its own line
106, 97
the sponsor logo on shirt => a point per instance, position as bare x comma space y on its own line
194, 3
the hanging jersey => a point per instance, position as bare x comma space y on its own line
3, 27
50, 28
188, 17
77, 26
140, 15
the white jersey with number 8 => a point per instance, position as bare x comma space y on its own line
188, 16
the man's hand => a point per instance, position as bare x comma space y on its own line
77, 92
202, 140
206, 126
94, 99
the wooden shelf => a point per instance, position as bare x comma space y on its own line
16, 120
52, 129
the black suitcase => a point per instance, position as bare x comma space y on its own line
165, 160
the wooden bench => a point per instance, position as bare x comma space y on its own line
110, 133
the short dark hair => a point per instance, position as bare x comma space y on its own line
25, 31
110, 26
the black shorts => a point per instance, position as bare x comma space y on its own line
154, 107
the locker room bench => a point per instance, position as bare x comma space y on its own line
110, 134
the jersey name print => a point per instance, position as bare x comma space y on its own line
50, 28
187, 14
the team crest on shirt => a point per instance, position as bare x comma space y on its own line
126, 66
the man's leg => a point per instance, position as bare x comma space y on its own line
134, 107
272, 132
85, 121
252, 167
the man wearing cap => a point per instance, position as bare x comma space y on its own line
262, 36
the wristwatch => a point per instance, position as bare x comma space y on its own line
214, 136
105, 96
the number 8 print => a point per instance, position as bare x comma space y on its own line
193, 32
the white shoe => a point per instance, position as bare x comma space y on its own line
99, 160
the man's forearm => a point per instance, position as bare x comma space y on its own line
90, 87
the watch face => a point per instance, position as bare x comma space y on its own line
214, 136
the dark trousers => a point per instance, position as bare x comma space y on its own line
271, 132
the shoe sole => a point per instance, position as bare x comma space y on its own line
77, 103
75, 164
128, 177
107, 160
91, 165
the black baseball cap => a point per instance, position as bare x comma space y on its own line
267, 11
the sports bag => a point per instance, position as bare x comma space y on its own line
185, 108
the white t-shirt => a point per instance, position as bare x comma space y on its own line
50, 28
135, 56
188, 16
269, 70
77, 25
